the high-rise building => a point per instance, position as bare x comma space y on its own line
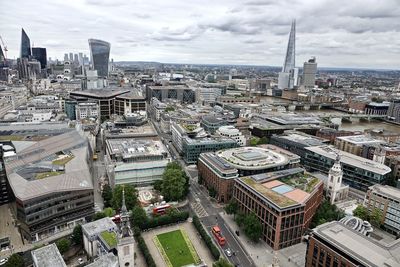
2, 57
100, 54
40, 54
76, 60
288, 75
25, 45
71, 57
80, 57
65, 57
309, 71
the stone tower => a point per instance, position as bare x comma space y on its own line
335, 179
126, 242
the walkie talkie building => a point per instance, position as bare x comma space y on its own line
100, 54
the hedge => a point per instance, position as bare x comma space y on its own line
173, 217
143, 247
206, 237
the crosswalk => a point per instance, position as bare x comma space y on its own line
199, 209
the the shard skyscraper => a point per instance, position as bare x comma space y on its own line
288, 76
26, 51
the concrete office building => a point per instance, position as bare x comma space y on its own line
296, 141
309, 72
358, 172
375, 108
182, 93
192, 148
334, 244
394, 110
86, 110
52, 185
260, 159
284, 201
208, 95
218, 174
99, 54
137, 162
40, 54
387, 199
7, 150
355, 144
131, 102
156, 108
211, 123
47, 256
233, 133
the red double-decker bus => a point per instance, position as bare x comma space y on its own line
218, 236
161, 209
116, 218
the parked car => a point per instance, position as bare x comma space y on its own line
3, 261
228, 252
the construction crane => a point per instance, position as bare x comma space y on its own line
5, 49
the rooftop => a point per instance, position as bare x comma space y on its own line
350, 159
48, 256
386, 190
364, 249
96, 227
110, 238
133, 94
219, 164
359, 139
290, 119
253, 158
130, 148
99, 93
303, 138
107, 260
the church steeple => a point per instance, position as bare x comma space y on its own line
125, 228
126, 249
335, 179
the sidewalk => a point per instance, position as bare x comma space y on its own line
262, 254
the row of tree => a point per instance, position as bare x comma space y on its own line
326, 212
141, 220
375, 217
206, 237
143, 247
174, 185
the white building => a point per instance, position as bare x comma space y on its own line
86, 110
309, 72
233, 133
335, 189
207, 95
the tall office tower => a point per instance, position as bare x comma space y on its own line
80, 58
40, 54
65, 57
288, 76
2, 58
76, 60
25, 45
100, 54
309, 71
71, 57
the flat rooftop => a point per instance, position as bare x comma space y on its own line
386, 190
289, 119
48, 256
366, 250
219, 164
130, 148
146, 130
107, 260
359, 139
350, 159
99, 93
96, 227
302, 138
133, 94
256, 158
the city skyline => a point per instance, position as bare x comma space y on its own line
359, 34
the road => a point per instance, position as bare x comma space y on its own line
208, 212
99, 170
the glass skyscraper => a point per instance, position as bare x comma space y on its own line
100, 54
40, 54
25, 45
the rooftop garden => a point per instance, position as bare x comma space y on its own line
43, 175
301, 181
62, 160
169, 108
110, 238
189, 127
277, 198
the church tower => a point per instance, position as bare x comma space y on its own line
126, 242
335, 179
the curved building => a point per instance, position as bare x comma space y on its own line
26, 51
100, 54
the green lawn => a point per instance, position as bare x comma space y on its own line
63, 160
110, 238
176, 248
42, 175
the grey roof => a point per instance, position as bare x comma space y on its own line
366, 250
107, 260
392, 193
103, 93
48, 256
350, 159
96, 227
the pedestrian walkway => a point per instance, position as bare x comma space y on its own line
199, 209
262, 254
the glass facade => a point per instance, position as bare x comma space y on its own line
25, 45
100, 54
40, 54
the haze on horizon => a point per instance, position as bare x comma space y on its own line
340, 33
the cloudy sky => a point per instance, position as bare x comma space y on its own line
340, 33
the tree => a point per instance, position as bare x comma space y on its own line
158, 185
222, 262
252, 227
63, 245
361, 212
77, 234
139, 216
15, 260
107, 195
173, 186
376, 217
240, 218
130, 197
326, 212
109, 212
232, 207
99, 215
